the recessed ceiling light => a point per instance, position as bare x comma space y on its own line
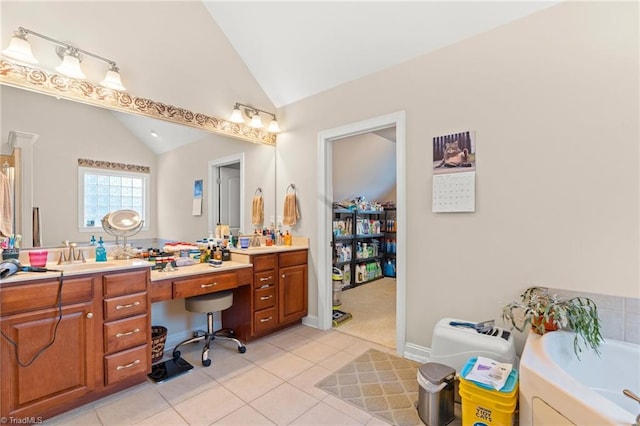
154, 134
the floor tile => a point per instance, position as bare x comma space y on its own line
245, 416
252, 383
168, 417
286, 365
323, 414
284, 404
185, 386
208, 406
132, 408
315, 351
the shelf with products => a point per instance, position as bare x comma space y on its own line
358, 245
390, 229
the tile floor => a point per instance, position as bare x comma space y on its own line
271, 384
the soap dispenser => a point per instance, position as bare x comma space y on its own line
101, 252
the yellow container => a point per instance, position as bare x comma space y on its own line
479, 411
484, 406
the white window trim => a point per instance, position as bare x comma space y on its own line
108, 172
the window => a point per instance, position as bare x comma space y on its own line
104, 190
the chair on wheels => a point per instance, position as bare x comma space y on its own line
209, 303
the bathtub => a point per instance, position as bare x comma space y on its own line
558, 389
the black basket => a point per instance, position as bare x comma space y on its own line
158, 337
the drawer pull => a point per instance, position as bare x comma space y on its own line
130, 305
266, 297
208, 285
122, 367
266, 319
265, 286
284, 276
269, 278
90, 315
128, 333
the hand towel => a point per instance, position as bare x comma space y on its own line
6, 208
290, 213
257, 211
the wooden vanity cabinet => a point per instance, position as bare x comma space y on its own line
101, 344
127, 326
63, 372
279, 293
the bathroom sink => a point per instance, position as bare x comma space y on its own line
98, 266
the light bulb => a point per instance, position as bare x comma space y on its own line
273, 126
256, 121
236, 115
70, 67
20, 50
112, 79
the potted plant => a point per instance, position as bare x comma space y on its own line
544, 311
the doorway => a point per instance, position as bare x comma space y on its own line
364, 169
325, 210
226, 188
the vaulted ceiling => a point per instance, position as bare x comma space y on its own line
298, 49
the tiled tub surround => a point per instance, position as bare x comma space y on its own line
620, 316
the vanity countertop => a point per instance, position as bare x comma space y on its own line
197, 269
267, 249
72, 269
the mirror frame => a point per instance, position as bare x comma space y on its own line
38, 80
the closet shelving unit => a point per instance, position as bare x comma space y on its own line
390, 228
358, 245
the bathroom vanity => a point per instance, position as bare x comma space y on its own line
102, 343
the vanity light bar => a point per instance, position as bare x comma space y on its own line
20, 50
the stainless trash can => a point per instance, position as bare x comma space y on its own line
436, 393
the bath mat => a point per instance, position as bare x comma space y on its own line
382, 384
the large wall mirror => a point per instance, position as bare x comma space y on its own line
68, 130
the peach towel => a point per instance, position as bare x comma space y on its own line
6, 208
257, 211
290, 214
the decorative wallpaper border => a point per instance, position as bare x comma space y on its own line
113, 166
37, 80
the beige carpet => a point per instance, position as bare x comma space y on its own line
380, 383
373, 307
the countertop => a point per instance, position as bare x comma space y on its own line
71, 269
111, 265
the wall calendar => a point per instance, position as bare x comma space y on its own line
454, 173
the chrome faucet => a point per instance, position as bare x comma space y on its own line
74, 255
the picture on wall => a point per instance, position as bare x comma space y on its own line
454, 153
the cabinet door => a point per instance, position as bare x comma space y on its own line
62, 373
292, 293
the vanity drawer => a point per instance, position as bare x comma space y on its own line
125, 306
125, 364
264, 278
43, 294
264, 262
126, 333
124, 283
265, 320
293, 258
203, 285
264, 297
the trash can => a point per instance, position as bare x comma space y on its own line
158, 338
436, 394
337, 288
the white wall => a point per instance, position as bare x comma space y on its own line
553, 99
364, 165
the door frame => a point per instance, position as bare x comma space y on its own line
214, 192
325, 214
